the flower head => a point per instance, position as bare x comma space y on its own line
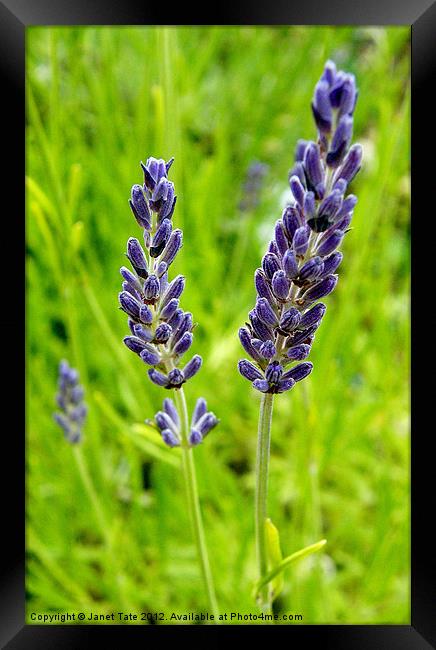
299, 268
69, 399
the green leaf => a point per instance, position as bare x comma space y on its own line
275, 557
290, 559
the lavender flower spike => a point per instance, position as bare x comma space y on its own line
300, 270
162, 332
69, 399
297, 271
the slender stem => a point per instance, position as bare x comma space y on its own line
92, 494
194, 504
262, 463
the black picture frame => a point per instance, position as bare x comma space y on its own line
15, 16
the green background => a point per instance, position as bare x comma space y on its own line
108, 530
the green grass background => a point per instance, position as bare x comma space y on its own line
99, 100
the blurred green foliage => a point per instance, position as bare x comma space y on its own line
99, 100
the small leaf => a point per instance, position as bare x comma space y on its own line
274, 557
290, 559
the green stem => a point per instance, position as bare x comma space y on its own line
194, 504
92, 494
262, 463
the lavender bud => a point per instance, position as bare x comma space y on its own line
270, 264
329, 73
290, 320
175, 378
311, 269
340, 186
321, 107
299, 352
291, 221
351, 164
185, 325
273, 372
280, 238
154, 169
248, 370
330, 205
290, 264
321, 289
133, 292
266, 312
174, 289
145, 315
284, 385
262, 287
207, 422
261, 384
192, 367
163, 333
341, 140
300, 150
245, 338
267, 350
169, 309
129, 304
331, 263
130, 278
299, 372
164, 421
348, 96
348, 205
301, 240
312, 315
314, 171
173, 246
195, 438
161, 237
134, 344
151, 288
143, 333
139, 207
137, 257
150, 357
261, 330
199, 410
171, 411
309, 206
331, 242
158, 378
183, 344
297, 190
170, 438
280, 285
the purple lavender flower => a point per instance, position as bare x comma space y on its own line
161, 332
299, 267
252, 186
69, 399
168, 422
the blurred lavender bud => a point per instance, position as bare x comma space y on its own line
129, 304
164, 421
348, 96
139, 207
137, 258
175, 378
330, 243
263, 287
285, 385
245, 338
329, 73
341, 140
300, 241
321, 107
290, 264
199, 410
262, 331
192, 367
298, 352
144, 333
309, 206
169, 309
170, 409
340, 185
173, 246
248, 370
174, 289
133, 292
154, 169
312, 315
280, 285
273, 372
145, 314
266, 312
195, 438
300, 150
130, 278
290, 320
170, 438
70, 400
